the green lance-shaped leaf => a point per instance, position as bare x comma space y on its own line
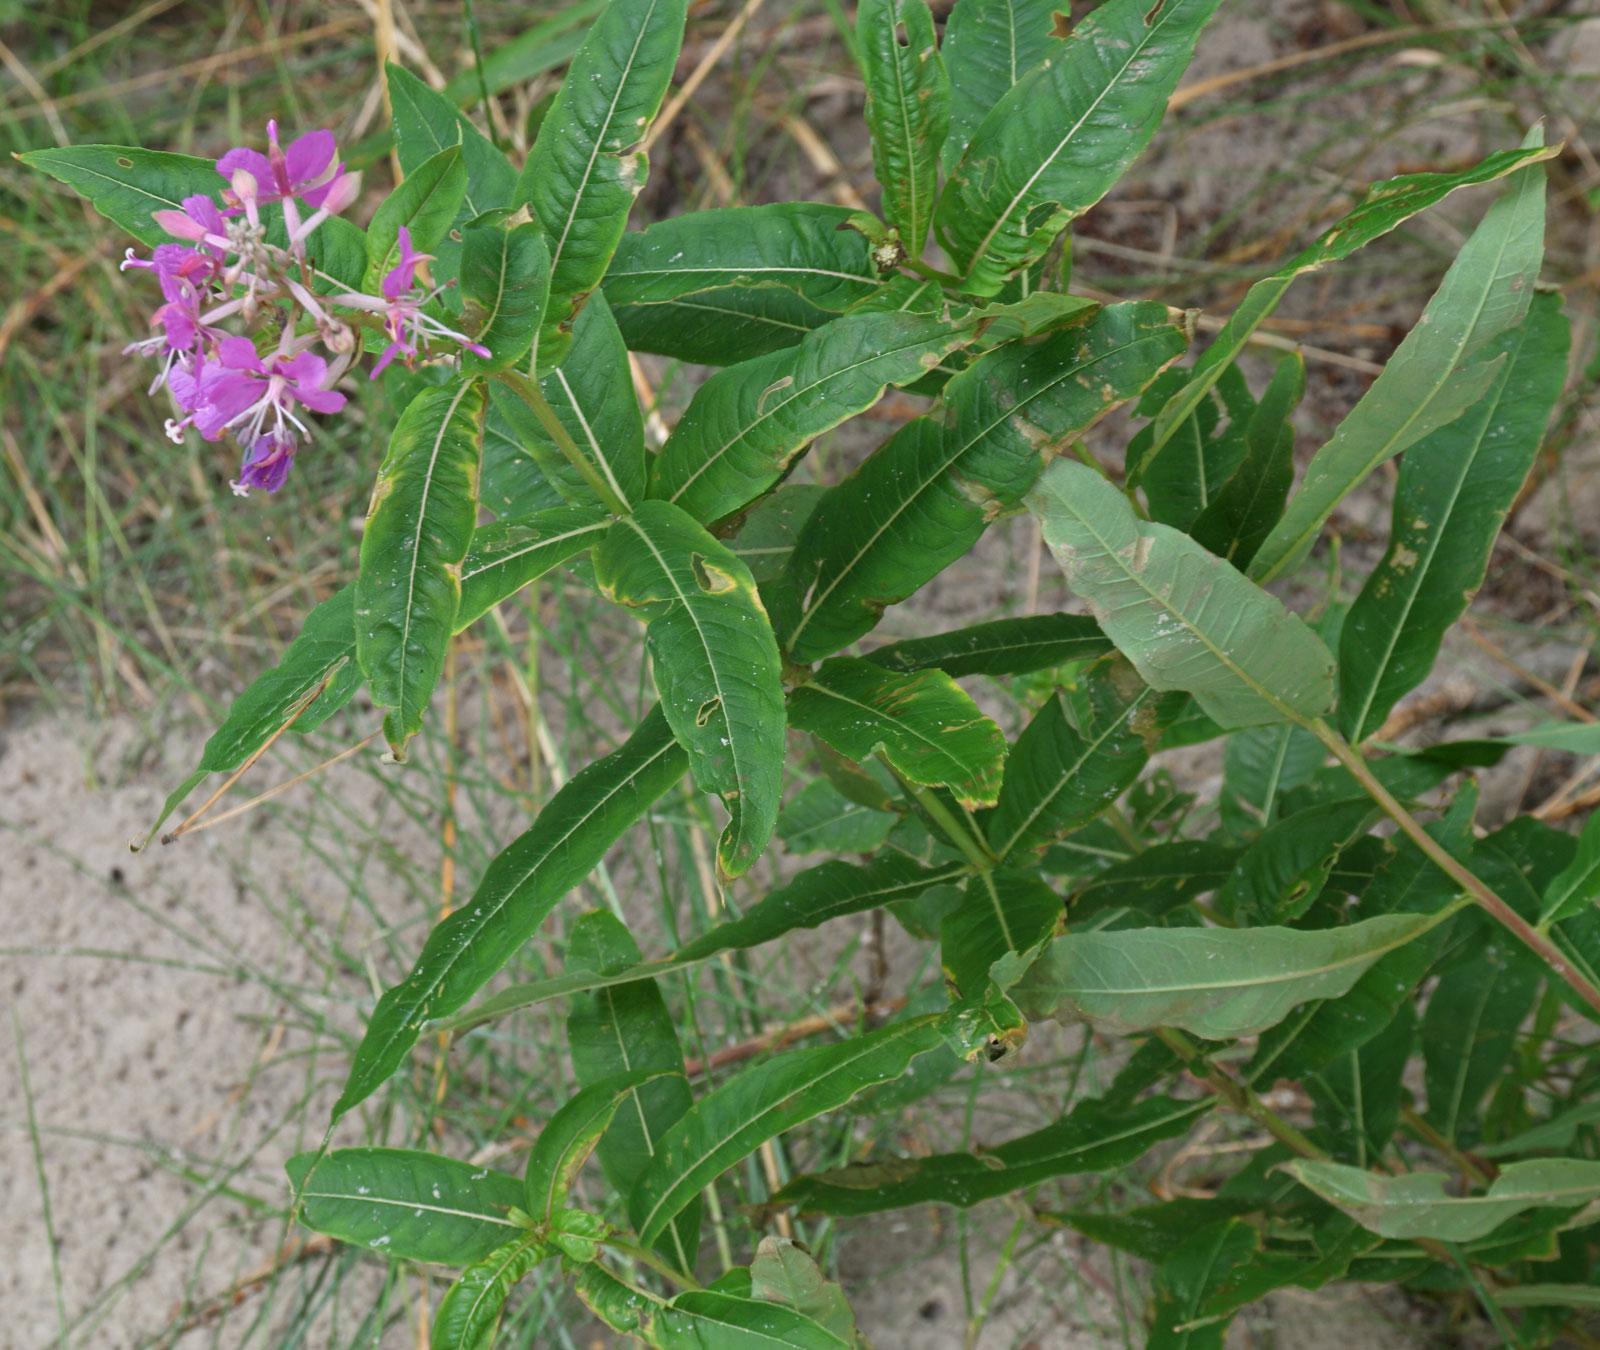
1446, 364
128, 184
419, 526
520, 887
1455, 489
1185, 478
829, 891
426, 122
723, 326
927, 495
908, 110
508, 554
547, 42
1469, 1035
762, 1101
989, 45
715, 662
317, 676
1244, 509
506, 274
927, 726
570, 1135
1576, 888
1216, 982
1095, 1136
622, 1029
1076, 756
1356, 1098
821, 819
406, 1205
746, 424
783, 1272
767, 535
1001, 915
1156, 880
469, 1314
1283, 872
1192, 1276
806, 250
590, 392
702, 1318
1384, 206
585, 168
1417, 1205
1055, 144
1259, 764
424, 203
1000, 647
1186, 619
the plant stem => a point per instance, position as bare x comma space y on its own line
527, 389
973, 849
1435, 852
928, 273
1238, 1096
645, 1257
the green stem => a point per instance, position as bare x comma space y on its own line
1478, 891
973, 849
645, 1257
1238, 1096
929, 273
527, 389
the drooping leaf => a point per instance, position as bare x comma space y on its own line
747, 423
1243, 510
585, 168
805, 249
317, 676
1001, 915
1000, 647
1259, 764
127, 183
783, 1272
1455, 489
1356, 1098
700, 1319
1155, 880
1184, 479
723, 326
1095, 1136
568, 1138
1216, 982
989, 45
1385, 206
822, 819
908, 110
622, 1029
1076, 756
406, 1205
914, 506
1469, 1034
1053, 145
469, 1313
928, 728
767, 536
419, 525
1417, 1205
763, 1100
520, 887
590, 392
1283, 872
715, 662
1186, 619
506, 274
508, 554
829, 891
1444, 366
424, 203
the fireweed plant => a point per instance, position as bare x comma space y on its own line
1329, 920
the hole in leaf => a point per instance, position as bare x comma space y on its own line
710, 578
708, 710
901, 37
1154, 10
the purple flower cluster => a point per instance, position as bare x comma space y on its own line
222, 268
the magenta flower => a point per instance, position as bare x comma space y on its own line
242, 393
403, 275
303, 170
267, 462
409, 329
